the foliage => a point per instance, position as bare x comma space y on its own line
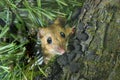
17, 20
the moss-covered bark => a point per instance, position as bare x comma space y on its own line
99, 58
102, 18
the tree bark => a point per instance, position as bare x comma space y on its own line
102, 19
99, 58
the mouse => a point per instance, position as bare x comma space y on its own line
54, 39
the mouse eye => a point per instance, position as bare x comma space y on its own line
49, 40
62, 34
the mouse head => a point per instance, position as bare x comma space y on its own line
54, 38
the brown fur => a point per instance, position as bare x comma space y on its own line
58, 43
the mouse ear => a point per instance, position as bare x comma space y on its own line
70, 30
60, 21
73, 30
40, 33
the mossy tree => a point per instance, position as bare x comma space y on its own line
100, 60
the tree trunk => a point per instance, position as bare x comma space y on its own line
102, 20
99, 58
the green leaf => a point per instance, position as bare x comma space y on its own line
62, 2
6, 69
39, 3
4, 31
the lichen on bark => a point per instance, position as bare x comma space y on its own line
99, 57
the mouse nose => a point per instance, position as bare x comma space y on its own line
61, 50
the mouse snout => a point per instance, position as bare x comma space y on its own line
61, 50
